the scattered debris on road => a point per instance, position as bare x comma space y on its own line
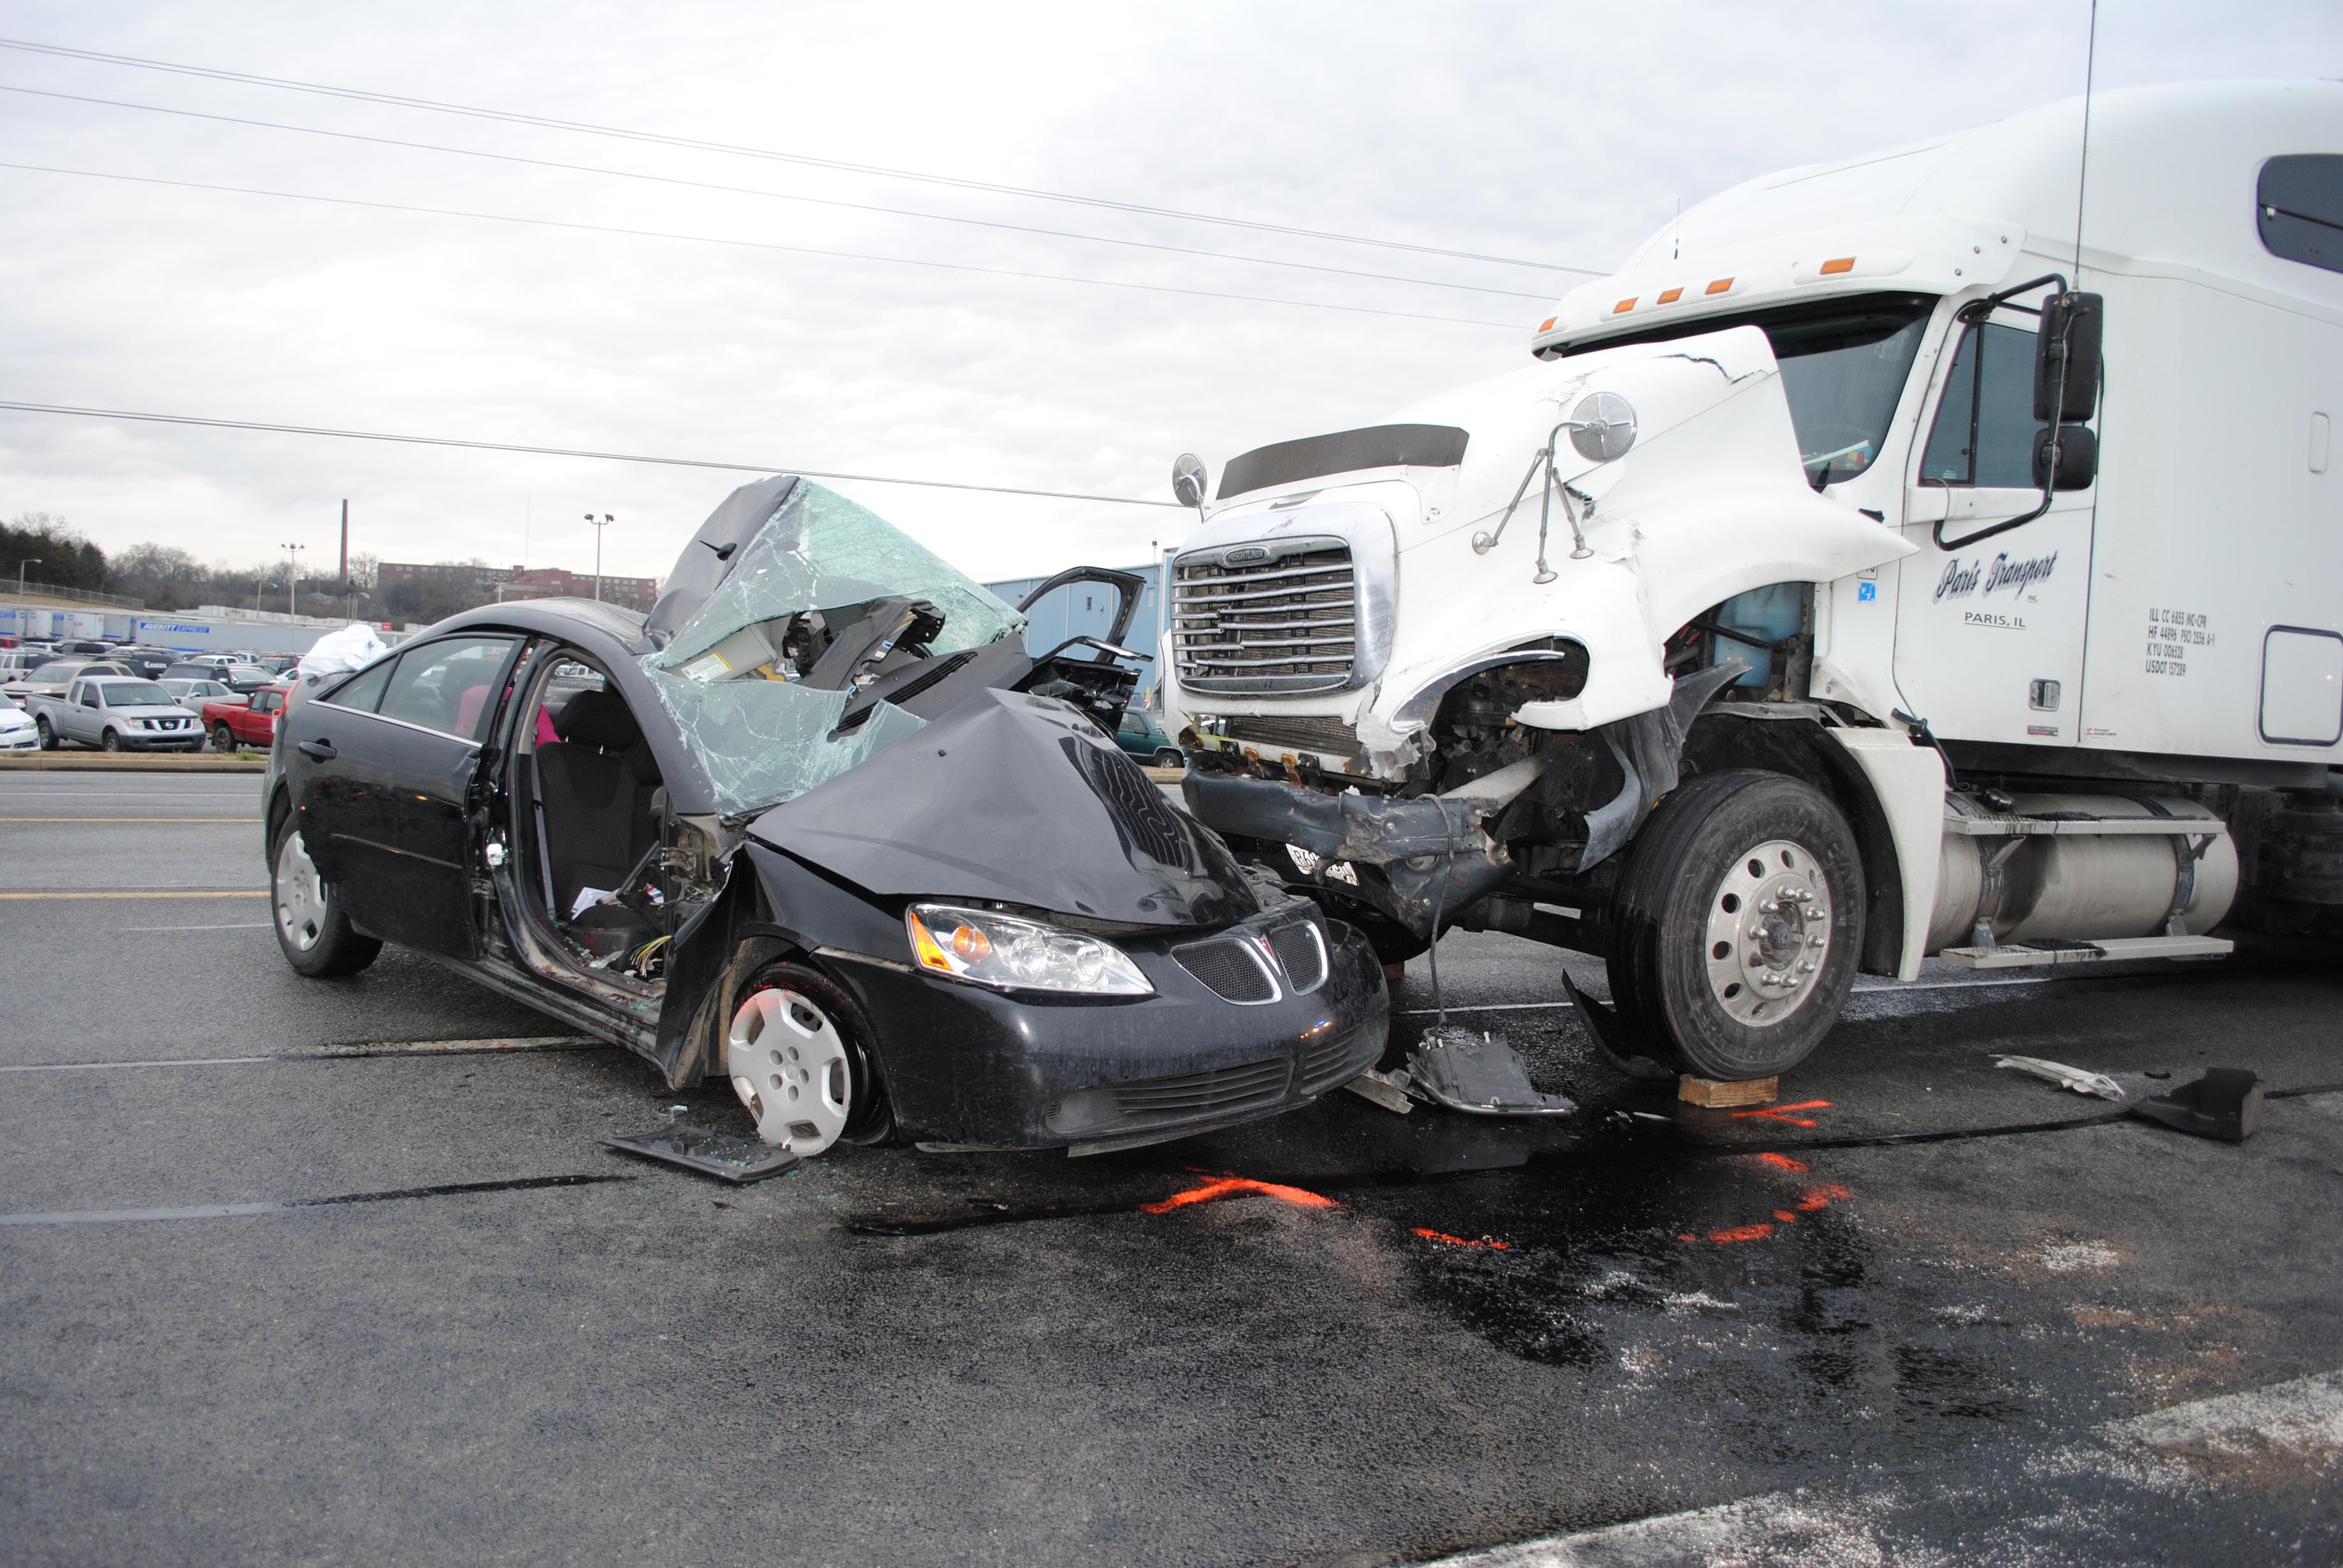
2066, 1077
2226, 1103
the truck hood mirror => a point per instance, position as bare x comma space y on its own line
1189, 479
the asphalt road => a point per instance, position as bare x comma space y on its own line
290, 1272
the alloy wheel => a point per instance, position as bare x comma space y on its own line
1769, 932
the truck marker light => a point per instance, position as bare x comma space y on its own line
1719, 285
1669, 296
1625, 306
1841, 264
1548, 324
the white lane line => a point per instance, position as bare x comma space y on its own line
1884, 989
122, 1216
234, 926
2304, 1416
333, 1053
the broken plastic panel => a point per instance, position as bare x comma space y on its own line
730, 676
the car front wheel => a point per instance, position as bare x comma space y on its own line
798, 1053
1167, 757
1738, 922
317, 937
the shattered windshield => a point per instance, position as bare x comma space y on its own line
763, 681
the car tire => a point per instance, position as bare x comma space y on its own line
1737, 924
1169, 758
48, 736
795, 1031
110, 742
306, 913
222, 737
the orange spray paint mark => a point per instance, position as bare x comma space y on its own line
1816, 1199
1776, 1112
1741, 1233
1785, 1216
1783, 1161
1489, 1242
1238, 1186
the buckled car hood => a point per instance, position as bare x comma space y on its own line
1018, 799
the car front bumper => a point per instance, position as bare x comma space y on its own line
968, 1067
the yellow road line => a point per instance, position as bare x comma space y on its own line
240, 893
129, 818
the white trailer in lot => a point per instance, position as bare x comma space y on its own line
1859, 574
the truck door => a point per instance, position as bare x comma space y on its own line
1989, 627
381, 772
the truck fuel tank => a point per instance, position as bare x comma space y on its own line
2057, 877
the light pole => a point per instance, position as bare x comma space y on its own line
292, 576
28, 560
597, 525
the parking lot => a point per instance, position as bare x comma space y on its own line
320, 1272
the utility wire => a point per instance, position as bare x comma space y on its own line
546, 122
143, 418
770, 194
753, 244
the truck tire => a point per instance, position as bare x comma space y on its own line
222, 737
1166, 756
110, 742
306, 913
1738, 924
48, 736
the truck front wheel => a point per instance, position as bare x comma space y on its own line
48, 736
1738, 922
222, 737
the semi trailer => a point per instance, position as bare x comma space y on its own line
1871, 569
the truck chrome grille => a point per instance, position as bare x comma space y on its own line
1283, 616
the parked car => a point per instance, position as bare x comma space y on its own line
247, 677
51, 678
17, 730
197, 666
189, 691
279, 662
819, 825
116, 713
15, 661
1142, 737
235, 720
146, 662
87, 645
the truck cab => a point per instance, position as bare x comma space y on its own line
1862, 573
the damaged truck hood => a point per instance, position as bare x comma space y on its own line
1018, 799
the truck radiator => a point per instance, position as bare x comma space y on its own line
1281, 617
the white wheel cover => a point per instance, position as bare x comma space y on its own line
300, 895
788, 1064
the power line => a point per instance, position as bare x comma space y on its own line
582, 127
772, 196
142, 419
752, 244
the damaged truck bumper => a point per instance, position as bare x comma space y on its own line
970, 1068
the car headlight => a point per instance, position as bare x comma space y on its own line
1003, 951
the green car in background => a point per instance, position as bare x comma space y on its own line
1141, 737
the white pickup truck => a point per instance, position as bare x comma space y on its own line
1867, 571
116, 713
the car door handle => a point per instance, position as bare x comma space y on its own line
320, 749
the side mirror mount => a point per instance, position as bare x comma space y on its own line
2068, 462
1190, 480
2066, 357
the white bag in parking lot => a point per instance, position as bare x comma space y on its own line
336, 653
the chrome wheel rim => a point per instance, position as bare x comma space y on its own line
788, 1064
300, 896
1769, 932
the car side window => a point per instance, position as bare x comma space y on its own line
364, 693
1984, 434
447, 685
89, 697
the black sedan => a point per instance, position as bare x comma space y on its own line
819, 824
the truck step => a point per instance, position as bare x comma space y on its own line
2034, 954
2043, 827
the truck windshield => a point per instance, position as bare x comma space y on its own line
135, 694
1844, 365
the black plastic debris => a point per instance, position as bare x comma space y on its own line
738, 1161
1475, 1073
2226, 1103
1612, 1040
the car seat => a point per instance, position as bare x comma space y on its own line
594, 787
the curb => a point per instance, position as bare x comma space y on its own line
120, 762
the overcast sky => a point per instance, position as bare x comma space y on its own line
1561, 133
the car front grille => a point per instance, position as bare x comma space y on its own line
1211, 1093
1301, 954
1266, 618
1336, 1059
1231, 968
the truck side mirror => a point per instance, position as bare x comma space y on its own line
2066, 357
2077, 459
1189, 479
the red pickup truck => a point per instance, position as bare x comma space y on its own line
235, 722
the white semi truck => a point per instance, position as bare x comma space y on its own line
1859, 574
